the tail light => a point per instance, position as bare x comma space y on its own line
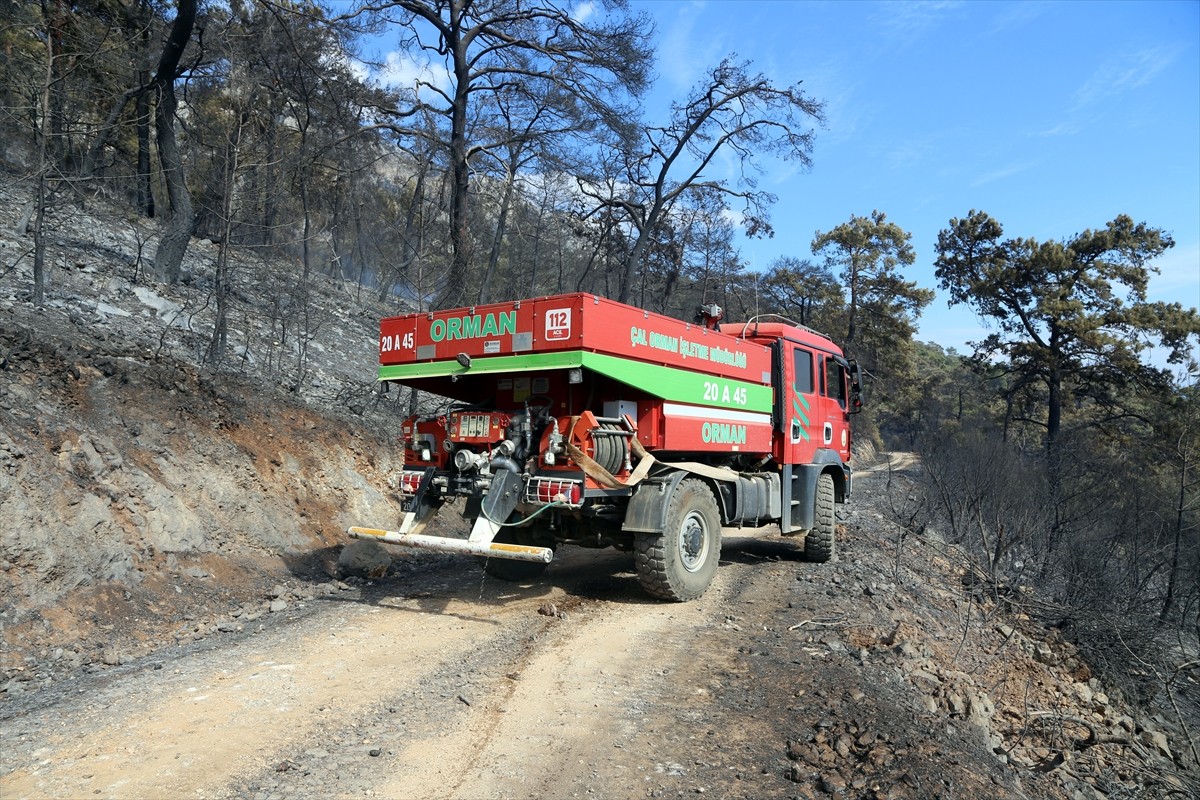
410, 482
543, 491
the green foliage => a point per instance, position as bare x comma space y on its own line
868, 253
877, 323
1099, 513
1072, 317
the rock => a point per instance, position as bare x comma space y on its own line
1158, 741
277, 591
364, 559
924, 680
278, 605
843, 745
111, 657
980, 711
833, 783
1044, 654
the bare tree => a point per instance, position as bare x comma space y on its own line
177, 230
802, 290
1181, 459
730, 111
531, 122
485, 48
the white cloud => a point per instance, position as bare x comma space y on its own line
1178, 280
1000, 173
733, 216
584, 11
908, 21
1124, 72
1017, 15
683, 55
913, 151
402, 71
1065, 128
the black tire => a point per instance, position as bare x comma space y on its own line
514, 571
679, 563
820, 544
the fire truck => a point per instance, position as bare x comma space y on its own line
575, 419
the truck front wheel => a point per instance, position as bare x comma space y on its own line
679, 563
819, 544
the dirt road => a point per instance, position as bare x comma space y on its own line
448, 686
782, 681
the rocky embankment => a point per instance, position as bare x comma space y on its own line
143, 496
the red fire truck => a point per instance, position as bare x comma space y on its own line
578, 420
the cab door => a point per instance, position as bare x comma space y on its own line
801, 404
834, 378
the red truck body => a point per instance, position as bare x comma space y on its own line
577, 419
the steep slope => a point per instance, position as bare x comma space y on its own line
136, 492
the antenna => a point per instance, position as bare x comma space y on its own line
755, 294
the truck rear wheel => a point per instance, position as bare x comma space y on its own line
819, 544
679, 563
515, 571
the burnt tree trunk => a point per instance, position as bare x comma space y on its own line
168, 259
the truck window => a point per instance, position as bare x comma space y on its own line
835, 381
804, 371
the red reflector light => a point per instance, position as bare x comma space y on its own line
410, 482
547, 490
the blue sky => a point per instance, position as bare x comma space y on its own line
1052, 117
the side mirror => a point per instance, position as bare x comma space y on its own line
856, 388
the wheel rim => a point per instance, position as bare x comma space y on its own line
693, 542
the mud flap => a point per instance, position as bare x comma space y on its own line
647, 509
500, 501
